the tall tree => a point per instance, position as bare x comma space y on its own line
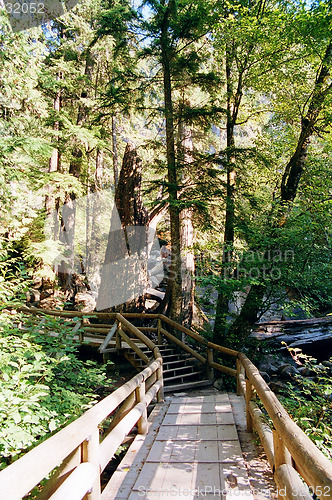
314, 117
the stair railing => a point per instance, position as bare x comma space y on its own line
210, 347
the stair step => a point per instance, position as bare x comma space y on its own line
170, 352
187, 385
171, 355
180, 368
180, 361
182, 376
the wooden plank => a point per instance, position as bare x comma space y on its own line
134, 347
200, 408
178, 481
78, 483
195, 460
183, 346
123, 480
291, 487
196, 432
195, 451
110, 334
198, 337
199, 419
218, 398
236, 482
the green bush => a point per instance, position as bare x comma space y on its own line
44, 385
308, 401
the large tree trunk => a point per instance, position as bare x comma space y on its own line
124, 273
289, 186
115, 153
67, 234
233, 104
185, 156
174, 287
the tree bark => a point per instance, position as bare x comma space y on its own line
174, 286
115, 153
233, 104
54, 162
185, 156
124, 274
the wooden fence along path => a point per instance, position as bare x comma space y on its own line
185, 453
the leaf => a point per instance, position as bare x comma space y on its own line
16, 417
52, 425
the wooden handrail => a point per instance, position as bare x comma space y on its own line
198, 337
314, 467
208, 360
40, 461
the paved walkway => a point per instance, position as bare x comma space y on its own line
191, 451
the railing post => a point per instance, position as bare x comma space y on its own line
160, 339
118, 340
281, 453
90, 453
281, 457
249, 393
81, 333
142, 424
239, 371
210, 372
160, 393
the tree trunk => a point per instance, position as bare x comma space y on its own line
67, 232
233, 104
54, 162
115, 153
174, 281
184, 151
124, 273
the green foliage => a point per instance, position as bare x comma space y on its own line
309, 401
14, 280
44, 384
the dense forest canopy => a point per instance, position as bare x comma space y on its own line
207, 120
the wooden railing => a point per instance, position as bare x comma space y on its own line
293, 457
76, 451
291, 454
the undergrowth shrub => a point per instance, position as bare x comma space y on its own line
44, 384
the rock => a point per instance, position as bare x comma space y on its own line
265, 376
51, 303
305, 371
33, 296
288, 371
267, 367
328, 364
85, 302
37, 282
219, 384
45, 294
277, 387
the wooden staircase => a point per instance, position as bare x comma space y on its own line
180, 369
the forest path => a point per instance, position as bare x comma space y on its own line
192, 450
